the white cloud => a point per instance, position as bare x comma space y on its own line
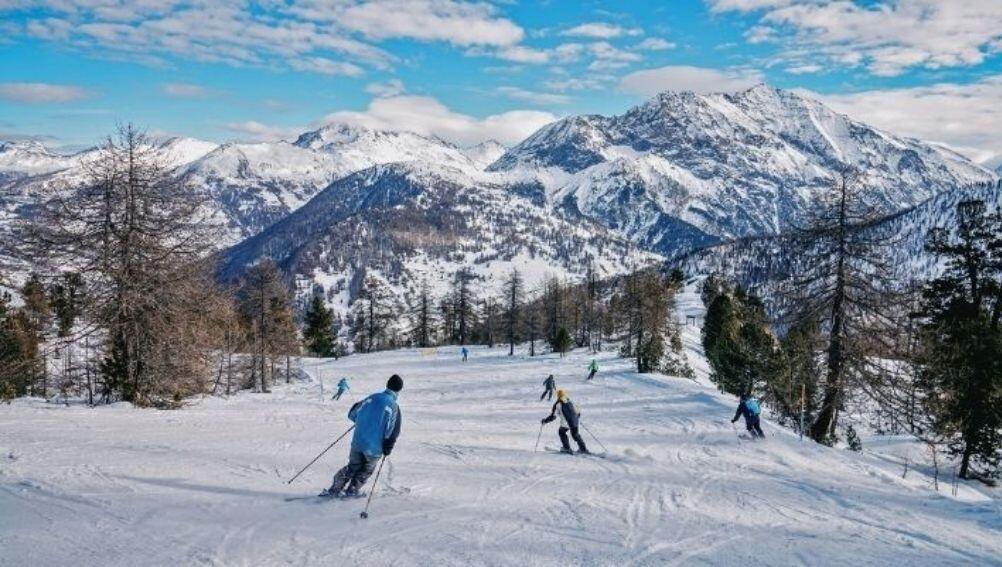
325, 66
254, 131
655, 44
964, 117
535, 97
39, 93
887, 37
459, 23
600, 30
428, 116
184, 90
609, 57
324, 36
805, 68
522, 54
393, 87
686, 78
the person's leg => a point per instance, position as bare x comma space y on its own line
756, 424
578, 440
344, 476
562, 432
362, 474
542, 396
549, 394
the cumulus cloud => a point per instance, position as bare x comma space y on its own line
41, 93
600, 30
964, 117
428, 116
686, 78
887, 37
184, 90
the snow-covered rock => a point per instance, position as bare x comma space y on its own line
683, 170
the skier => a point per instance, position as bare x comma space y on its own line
750, 408
549, 384
569, 419
465, 353
377, 425
592, 369
342, 387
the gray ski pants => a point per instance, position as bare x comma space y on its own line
353, 476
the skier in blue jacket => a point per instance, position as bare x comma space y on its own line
377, 426
750, 408
342, 387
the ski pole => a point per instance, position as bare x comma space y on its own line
320, 455
365, 513
595, 438
538, 437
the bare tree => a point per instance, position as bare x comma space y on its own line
839, 279
514, 288
136, 233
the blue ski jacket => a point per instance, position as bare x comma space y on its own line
377, 424
343, 385
747, 409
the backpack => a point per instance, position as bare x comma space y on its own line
753, 407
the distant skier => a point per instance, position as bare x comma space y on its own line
749, 407
465, 352
569, 420
549, 384
377, 425
592, 369
342, 387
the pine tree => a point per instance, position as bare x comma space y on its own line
423, 317
561, 341
318, 330
960, 370
513, 291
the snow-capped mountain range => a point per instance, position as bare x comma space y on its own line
676, 173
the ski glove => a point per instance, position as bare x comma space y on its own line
549, 419
387, 447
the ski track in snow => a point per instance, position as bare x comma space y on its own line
206, 485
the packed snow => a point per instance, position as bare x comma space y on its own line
206, 484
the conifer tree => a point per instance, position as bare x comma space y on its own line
960, 371
318, 332
513, 291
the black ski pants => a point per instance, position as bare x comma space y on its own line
562, 432
753, 425
548, 394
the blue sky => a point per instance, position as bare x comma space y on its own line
234, 70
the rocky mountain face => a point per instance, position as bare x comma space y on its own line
675, 174
405, 223
684, 170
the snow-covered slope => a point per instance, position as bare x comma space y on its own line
207, 484
683, 169
406, 222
